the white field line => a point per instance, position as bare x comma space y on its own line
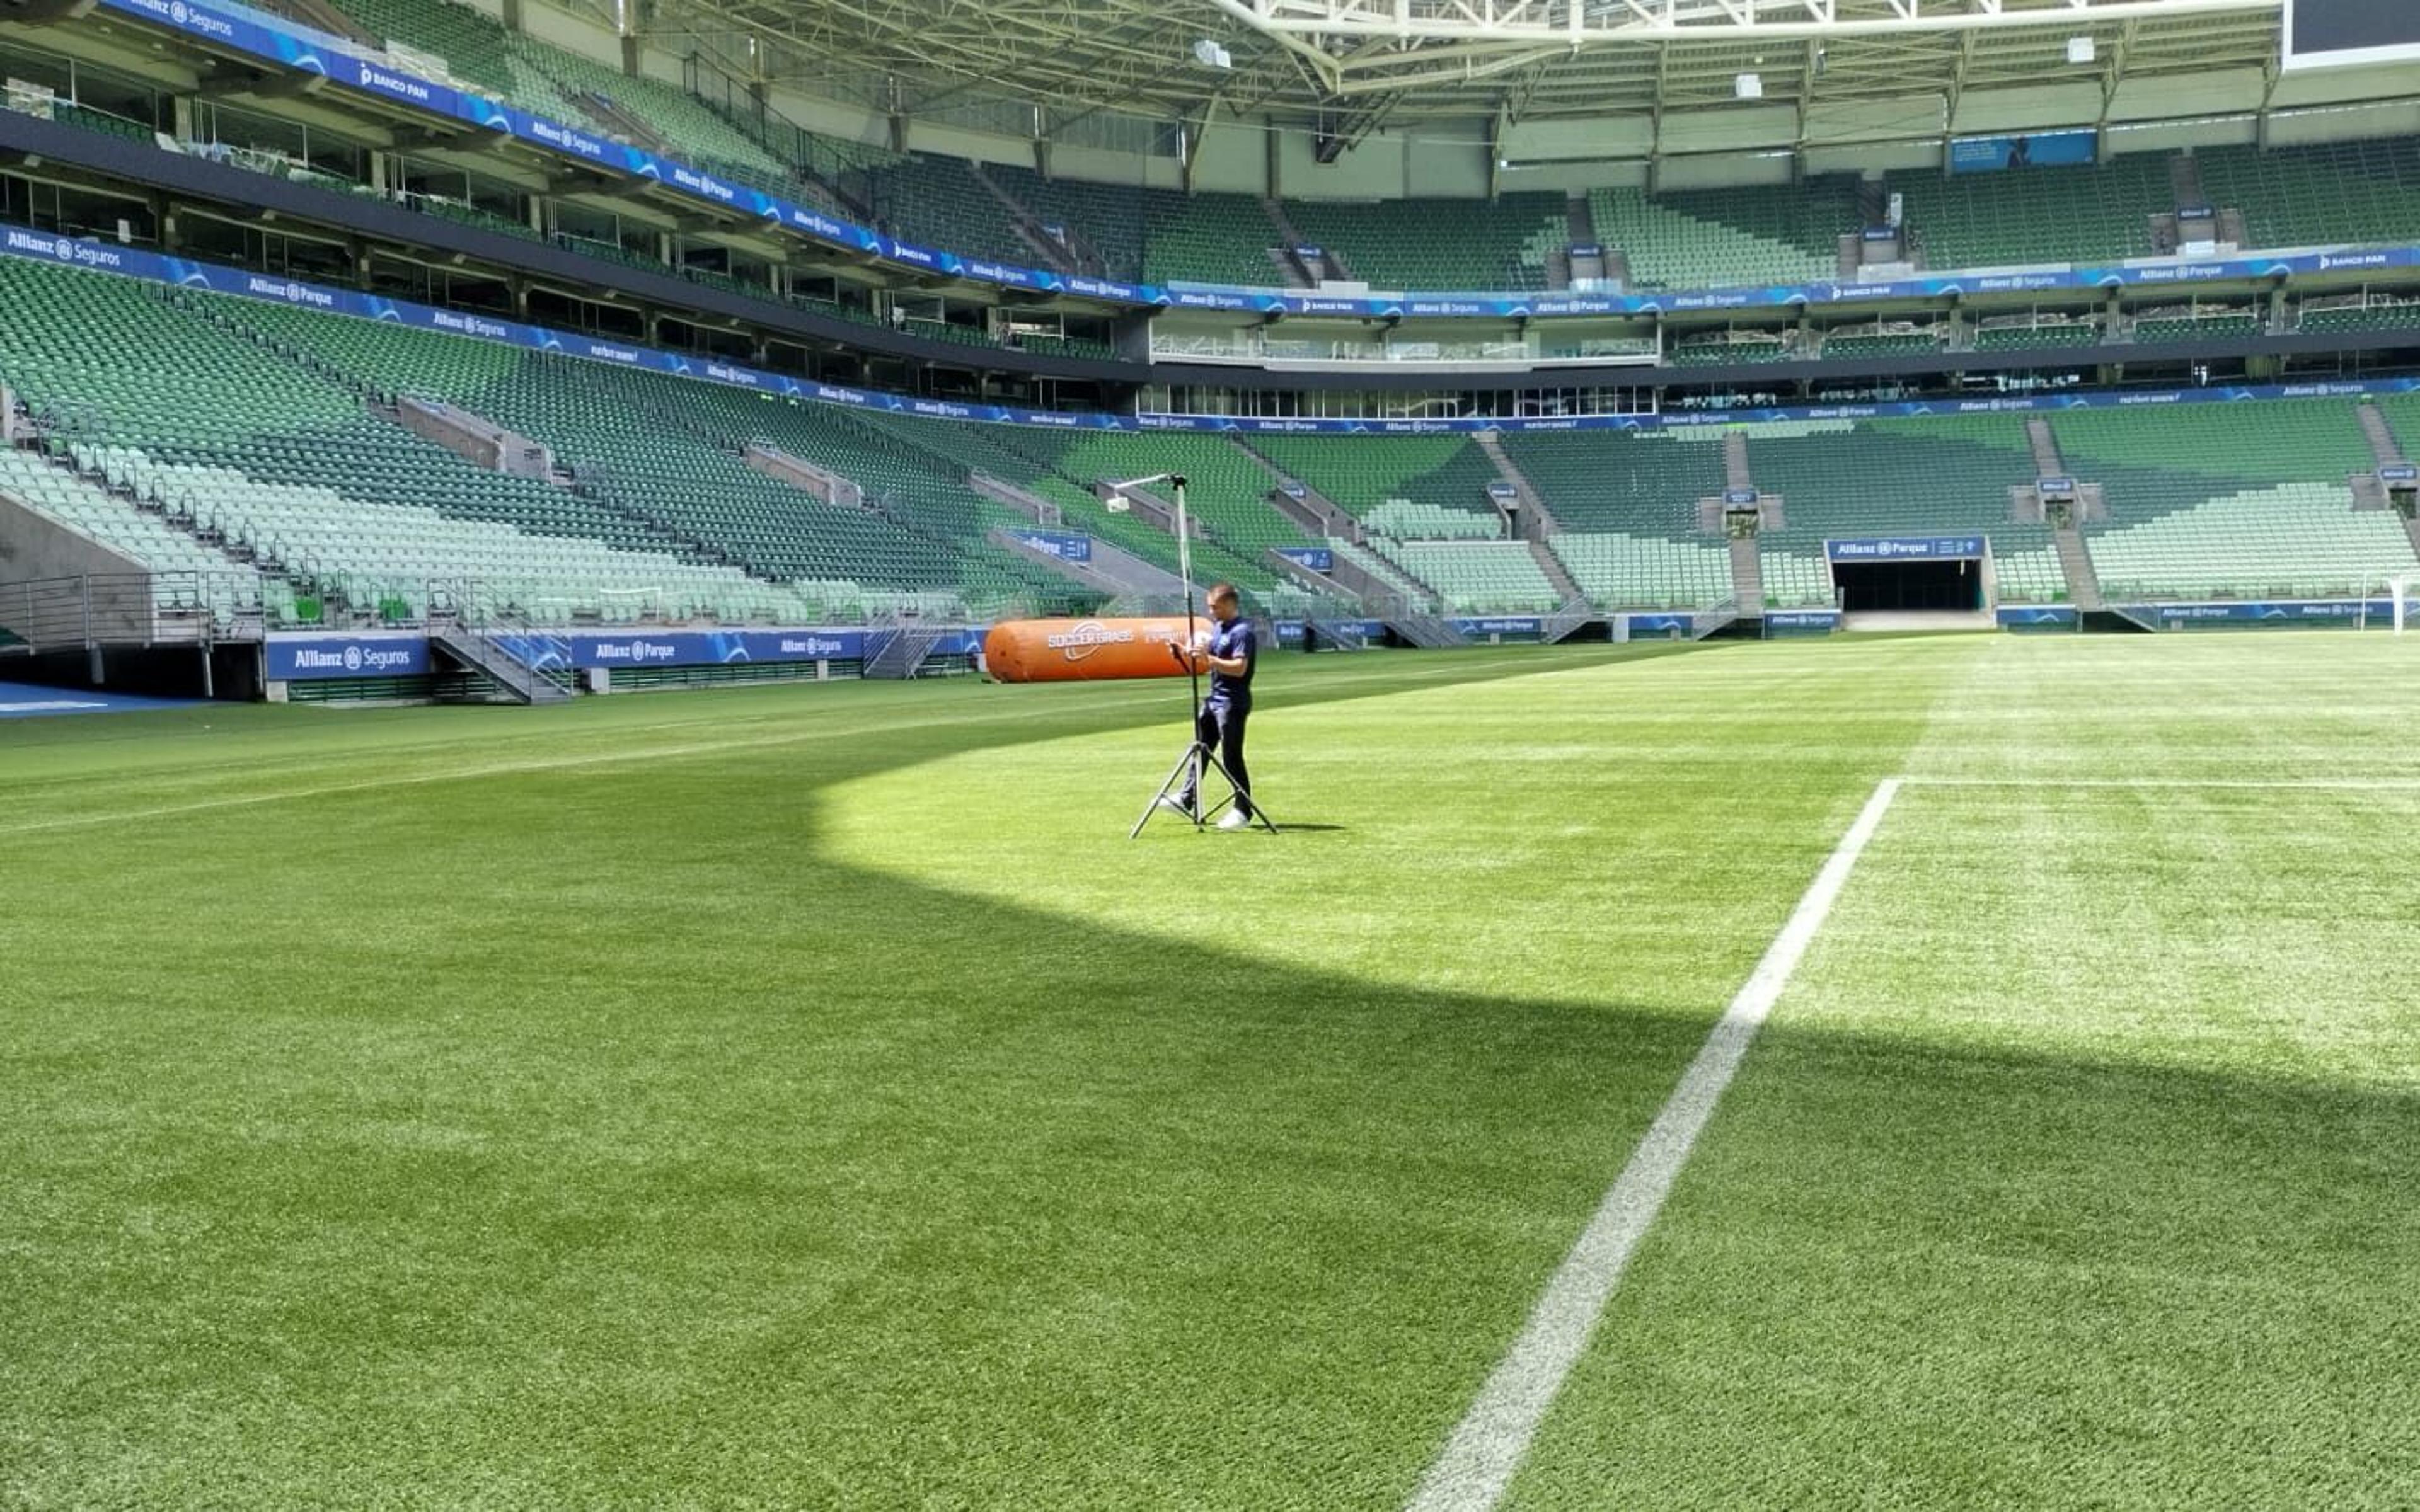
1486, 1447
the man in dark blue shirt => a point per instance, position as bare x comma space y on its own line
1228, 658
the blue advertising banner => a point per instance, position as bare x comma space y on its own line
300, 656
2044, 149
1316, 558
1667, 625
2055, 488
2277, 611
305, 657
705, 648
1067, 545
1739, 496
1516, 624
2398, 473
2037, 617
1801, 621
1904, 548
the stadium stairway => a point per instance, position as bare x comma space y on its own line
1747, 577
2075, 566
496, 658
2066, 539
2383, 444
1317, 514
1046, 251
1050, 468
2369, 491
1575, 599
1535, 522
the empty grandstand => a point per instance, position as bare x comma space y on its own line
831, 1092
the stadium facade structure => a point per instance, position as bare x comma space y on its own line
952, 408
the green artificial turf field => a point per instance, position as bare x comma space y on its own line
808, 1097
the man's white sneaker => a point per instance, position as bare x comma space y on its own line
1235, 819
1169, 802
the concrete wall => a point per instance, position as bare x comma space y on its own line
34, 547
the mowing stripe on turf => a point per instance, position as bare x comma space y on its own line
1471, 1472
703, 747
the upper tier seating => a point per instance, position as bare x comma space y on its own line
2339, 194
1438, 243
937, 202
2037, 215
478, 52
2346, 193
1105, 220
682, 122
1713, 238
1209, 238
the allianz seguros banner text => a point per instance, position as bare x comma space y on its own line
134, 262
288, 658
267, 37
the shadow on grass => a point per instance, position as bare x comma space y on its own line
561, 1138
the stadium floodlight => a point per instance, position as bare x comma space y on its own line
1749, 86
1211, 56
2080, 50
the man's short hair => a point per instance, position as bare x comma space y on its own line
1219, 590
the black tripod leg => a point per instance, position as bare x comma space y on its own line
1192, 754
1260, 816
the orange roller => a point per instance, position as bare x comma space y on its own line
1052, 651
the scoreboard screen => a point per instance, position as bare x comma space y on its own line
2338, 32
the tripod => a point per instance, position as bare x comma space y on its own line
1199, 757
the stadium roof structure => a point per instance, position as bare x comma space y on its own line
1348, 67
